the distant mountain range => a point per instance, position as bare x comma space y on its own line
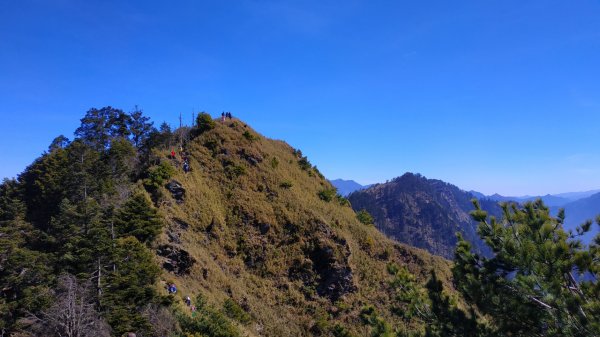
426, 213
552, 200
579, 207
345, 187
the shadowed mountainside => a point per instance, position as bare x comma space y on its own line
424, 213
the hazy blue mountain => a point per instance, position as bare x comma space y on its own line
552, 200
581, 210
574, 196
579, 207
345, 187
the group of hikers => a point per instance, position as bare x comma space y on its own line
184, 157
188, 302
172, 289
225, 115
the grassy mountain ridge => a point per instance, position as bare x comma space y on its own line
253, 233
281, 249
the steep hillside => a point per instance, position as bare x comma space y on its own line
258, 219
421, 212
243, 225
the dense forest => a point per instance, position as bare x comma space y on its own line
97, 231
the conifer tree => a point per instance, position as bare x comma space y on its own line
24, 272
129, 288
138, 218
535, 283
140, 127
100, 126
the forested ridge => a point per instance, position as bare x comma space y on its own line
96, 229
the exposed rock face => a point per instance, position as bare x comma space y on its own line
325, 265
334, 274
177, 190
252, 158
176, 260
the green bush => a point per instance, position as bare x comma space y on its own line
158, 175
204, 122
286, 185
342, 201
327, 194
235, 171
208, 322
340, 331
233, 310
304, 163
249, 136
274, 162
364, 217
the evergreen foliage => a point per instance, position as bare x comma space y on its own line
138, 218
204, 122
538, 281
235, 311
140, 128
100, 126
364, 217
327, 194
129, 287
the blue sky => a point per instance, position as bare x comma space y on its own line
496, 96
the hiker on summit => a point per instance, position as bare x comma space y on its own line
223, 116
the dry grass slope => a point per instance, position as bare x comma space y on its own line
260, 235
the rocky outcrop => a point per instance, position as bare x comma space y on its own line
177, 190
325, 265
335, 277
175, 260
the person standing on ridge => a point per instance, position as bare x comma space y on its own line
223, 116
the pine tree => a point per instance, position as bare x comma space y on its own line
530, 287
138, 218
129, 288
100, 126
140, 127
24, 272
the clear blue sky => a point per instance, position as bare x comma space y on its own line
495, 95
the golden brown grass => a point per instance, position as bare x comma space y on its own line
228, 198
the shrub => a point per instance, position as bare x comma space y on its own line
286, 185
204, 122
157, 175
304, 163
274, 162
364, 217
235, 171
342, 201
249, 136
327, 194
235, 311
340, 331
208, 322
